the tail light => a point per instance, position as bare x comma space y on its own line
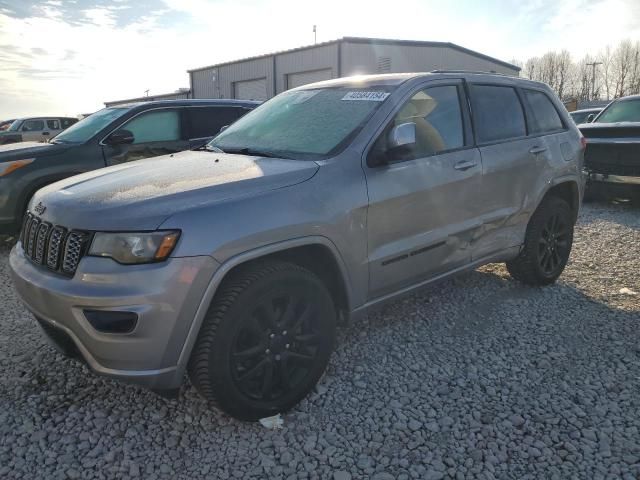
583, 143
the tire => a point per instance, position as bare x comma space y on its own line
547, 244
265, 341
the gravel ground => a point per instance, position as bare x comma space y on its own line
478, 377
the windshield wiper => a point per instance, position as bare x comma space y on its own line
253, 152
209, 148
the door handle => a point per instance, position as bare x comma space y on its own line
464, 165
536, 150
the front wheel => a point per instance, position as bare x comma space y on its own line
547, 244
266, 340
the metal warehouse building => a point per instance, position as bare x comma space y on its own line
262, 77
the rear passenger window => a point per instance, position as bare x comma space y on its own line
53, 124
544, 116
497, 113
207, 121
67, 122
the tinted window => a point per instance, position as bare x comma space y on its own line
436, 114
544, 116
53, 124
497, 113
67, 122
207, 121
33, 126
155, 126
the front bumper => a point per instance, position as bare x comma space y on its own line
164, 295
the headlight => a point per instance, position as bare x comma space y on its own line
132, 248
7, 167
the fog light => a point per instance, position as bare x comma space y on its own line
112, 322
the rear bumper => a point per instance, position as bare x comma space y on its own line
619, 179
165, 296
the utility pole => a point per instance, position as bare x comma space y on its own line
146, 93
593, 77
315, 38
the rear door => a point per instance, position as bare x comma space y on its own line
159, 131
204, 123
512, 162
423, 204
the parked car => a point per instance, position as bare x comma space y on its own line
111, 136
4, 124
38, 129
235, 262
585, 115
612, 158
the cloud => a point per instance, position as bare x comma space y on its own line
67, 57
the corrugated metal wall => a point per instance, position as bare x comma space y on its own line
307, 60
356, 58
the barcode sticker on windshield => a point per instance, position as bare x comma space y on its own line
367, 96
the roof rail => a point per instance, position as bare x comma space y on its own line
470, 71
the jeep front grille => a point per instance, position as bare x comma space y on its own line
53, 246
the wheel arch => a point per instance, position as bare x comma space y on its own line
316, 253
568, 189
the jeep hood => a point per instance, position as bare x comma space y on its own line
141, 195
24, 150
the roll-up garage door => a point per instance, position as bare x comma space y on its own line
251, 89
302, 78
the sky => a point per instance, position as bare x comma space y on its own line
66, 57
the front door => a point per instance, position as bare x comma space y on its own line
156, 132
423, 203
31, 130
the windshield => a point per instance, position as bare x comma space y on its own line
621, 111
307, 124
14, 126
85, 129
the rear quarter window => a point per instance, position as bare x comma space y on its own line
543, 116
497, 113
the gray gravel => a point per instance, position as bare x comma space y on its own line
478, 377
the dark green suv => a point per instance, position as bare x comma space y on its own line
108, 137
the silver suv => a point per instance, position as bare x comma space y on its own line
235, 263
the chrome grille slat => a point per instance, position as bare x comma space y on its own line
53, 246
41, 242
55, 242
73, 251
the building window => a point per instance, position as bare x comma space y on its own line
384, 64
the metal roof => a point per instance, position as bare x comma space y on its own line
372, 41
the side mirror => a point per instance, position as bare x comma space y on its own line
590, 117
120, 137
403, 135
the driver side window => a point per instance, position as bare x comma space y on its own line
155, 126
435, 111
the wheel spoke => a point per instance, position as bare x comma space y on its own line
298, 357
284, 373
288, 314
300, 320
269, 317
249, 374
307, 338
267, 380
250, 352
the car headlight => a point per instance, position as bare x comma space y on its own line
134, 248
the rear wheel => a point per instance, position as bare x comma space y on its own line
547, 244
266, 340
